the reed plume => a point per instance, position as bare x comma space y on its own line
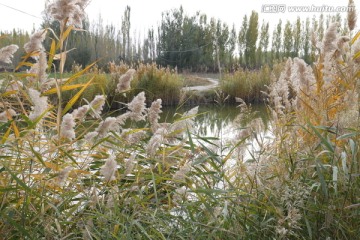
35, 43
39, 69
125, 80
137, 107
329, 48
186, 122
330, 37
40, 104
67, 127
351, 15
80, 112
7, 114
154, 114
109, 169
105, 126
155, 141
70, 11
62, 176
7, 53
96, 105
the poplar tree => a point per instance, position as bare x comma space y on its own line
297, 38
251, 39
263, 44
232, 46
306, 41
125, 29
242, 38
276, 41
288, 40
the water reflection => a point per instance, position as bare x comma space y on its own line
216, 121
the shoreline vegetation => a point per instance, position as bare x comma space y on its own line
171, 87
71, 170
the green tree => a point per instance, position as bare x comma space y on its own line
314, 38
263, 44
251, 39
297, 38
306, 41
169, 42
152, 44
288, 39
222, 34
232, 46
242, 40
276, 41
125, 29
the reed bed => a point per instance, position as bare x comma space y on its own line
72, 172
247, 84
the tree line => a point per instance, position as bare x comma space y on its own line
192, 43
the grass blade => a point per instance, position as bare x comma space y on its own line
74, 99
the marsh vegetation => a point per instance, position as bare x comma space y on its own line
72, 167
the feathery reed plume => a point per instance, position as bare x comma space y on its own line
89, 137
330, 37
80, 112
39, 69
133, 136
186, 122
97, 105
153, 114
63, 175
130, 164
280, 95
351, 15
105, 126
125, 80
5, 115
109, 169
67, 127
328, 50
7, 53
40, 104
137, 107
121, 119
35, 42
71, 11
302, 76
341, 45
155, 141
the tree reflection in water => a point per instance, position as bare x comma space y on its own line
217, 121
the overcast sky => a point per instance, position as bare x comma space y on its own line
26, 14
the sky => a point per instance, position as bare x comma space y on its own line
27, 14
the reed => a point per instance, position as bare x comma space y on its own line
73, 172
246, 84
